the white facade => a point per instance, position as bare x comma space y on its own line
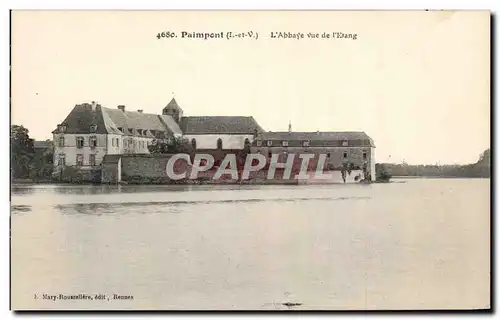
229, 141
69, 149
372, 164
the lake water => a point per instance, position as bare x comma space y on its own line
419, 244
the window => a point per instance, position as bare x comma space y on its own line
259, 143
364, 155
345, 155
247, 142
284, 143
193, 143
79, 142
269, 143
328, 155
112, 142
124, 143
219, 143
61, 141
270, 155
118, 142
93, 128
93, 141
345, 143
79, 159
92, 159
306, 143
62, 159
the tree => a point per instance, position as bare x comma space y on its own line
22, 151
41, 166
381, 173
485, 157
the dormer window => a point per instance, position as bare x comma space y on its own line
139, 131
131, 131
345, 143
269, 143
284, 143
93, 128
259, 143
121, 129
306, 143
62, 128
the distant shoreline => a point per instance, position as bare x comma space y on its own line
436, 177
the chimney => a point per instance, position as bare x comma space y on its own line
140, 110
94, 105
289, 126
121, 107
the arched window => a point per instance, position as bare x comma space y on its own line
219, 143
193, 143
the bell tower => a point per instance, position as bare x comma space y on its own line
172, 109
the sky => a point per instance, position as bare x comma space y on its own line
417, 82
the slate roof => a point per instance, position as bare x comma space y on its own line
137, 121
81, 117
171, 124
110, 120
219, 124
173, 105
318, 138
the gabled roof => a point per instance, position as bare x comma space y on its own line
81, 117
110, 120
358, 136
219, 124
171, 124
135, 120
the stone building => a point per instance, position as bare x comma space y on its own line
354, 151
91, 131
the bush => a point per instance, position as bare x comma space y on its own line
381, 173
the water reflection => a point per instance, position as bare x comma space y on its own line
67, 189
17, 209
169, 206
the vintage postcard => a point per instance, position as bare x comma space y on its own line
250, 160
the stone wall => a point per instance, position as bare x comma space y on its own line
152, 169
111, 172
137, 168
